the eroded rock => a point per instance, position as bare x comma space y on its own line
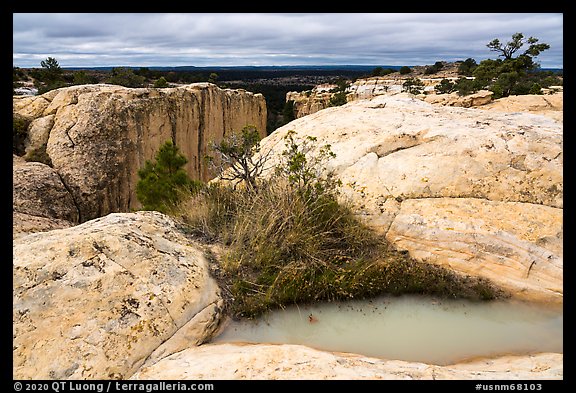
96, 300
478, 191
40, 199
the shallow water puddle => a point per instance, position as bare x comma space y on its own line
410, 328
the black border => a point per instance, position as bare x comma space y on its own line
458, 386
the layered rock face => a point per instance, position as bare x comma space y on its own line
262, 361
306, 103
479, 192
98, 300
99, 136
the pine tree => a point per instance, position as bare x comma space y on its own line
162, 182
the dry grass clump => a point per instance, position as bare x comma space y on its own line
283, 247
289, 240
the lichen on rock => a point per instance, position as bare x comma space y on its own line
95, 301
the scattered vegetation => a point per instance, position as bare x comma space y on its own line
288, 111
51, 76
380, 71
413, 86
238, 157
126, 77
82, 78
444, 87
164, 182
434, 68
405, 70
289, 240
510, 75
339, 93
467, 66
161, 83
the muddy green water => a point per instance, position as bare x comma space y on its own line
410, 328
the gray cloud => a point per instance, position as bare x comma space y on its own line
273, 39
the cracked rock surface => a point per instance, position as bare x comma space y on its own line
477, 191
95, 301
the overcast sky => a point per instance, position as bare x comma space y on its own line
273, 39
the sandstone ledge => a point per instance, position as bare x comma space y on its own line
265, 361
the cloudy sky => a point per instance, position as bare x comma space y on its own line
100, 39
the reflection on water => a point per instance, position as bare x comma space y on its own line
410, 328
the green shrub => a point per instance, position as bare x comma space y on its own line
379, 71
535, 89
236, 157
81, 78
338, 99
405, 70
50, 77
163, 182
161, 83
126, 77
467, 67
444, 87
339, 93
465, 86
434, 68
288, 112
551, 80
413, 86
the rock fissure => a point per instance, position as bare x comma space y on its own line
147, 360
76, 205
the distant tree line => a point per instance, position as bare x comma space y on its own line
507, 75
512, 73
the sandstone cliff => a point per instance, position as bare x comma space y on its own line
98, 136
480, 192
97, 300
312, 101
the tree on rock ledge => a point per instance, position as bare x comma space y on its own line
163, 182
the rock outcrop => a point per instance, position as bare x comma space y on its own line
262, 361
479, 98
39, 198
97, 300
480, 192
311, 101
308, 102
98, 136
548, 105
